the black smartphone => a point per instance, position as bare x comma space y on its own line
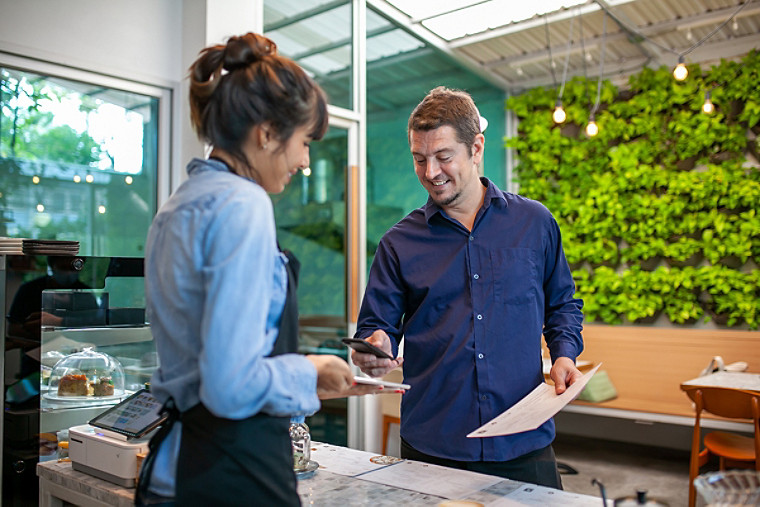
365, 346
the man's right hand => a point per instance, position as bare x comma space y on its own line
372, 365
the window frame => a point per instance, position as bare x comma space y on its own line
162, 94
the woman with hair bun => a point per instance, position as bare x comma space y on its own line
221, 295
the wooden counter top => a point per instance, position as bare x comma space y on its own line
344, 477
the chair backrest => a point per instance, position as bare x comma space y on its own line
726, 402
723, 402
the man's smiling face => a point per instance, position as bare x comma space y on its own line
446, 168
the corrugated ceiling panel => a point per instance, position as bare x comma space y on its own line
519, 57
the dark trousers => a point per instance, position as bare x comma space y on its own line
225, 462
537, 467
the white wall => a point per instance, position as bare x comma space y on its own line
139, 39
148, 41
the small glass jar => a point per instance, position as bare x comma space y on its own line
301, 439
63, 451
63, 444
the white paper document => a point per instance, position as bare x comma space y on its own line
343, 461
530, 494
431, 479
532, 411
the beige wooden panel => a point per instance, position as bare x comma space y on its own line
648, 364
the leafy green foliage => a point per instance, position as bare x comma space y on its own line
660, 212
27, 131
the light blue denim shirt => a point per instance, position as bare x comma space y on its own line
215, 284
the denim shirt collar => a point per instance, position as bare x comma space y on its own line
198, 165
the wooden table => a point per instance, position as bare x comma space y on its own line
734, 380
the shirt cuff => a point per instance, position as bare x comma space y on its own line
302, 382
563, 349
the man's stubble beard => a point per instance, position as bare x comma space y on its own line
447, 201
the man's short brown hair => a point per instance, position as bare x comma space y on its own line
444, 106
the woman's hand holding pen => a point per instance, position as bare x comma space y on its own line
372, 365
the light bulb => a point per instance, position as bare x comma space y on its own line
128, 180
89, 178
592, 129
40, 208
708, 107
77, 178
306, 171
680, 72
36, 180
559, 114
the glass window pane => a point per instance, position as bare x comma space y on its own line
317, 34
401, 70
311, 223
77, 162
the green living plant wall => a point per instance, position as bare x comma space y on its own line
660, 212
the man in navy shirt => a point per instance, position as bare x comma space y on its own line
471, 281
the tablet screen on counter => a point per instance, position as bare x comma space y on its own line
134, 417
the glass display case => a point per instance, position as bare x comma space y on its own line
76, 342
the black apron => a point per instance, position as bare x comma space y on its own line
235, 462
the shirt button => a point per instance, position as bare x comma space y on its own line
484, 397
476, 276
472, 238
480, 356
480, 317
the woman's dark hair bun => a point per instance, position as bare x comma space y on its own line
242, 51
244, 83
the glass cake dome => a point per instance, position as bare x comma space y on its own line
86, 375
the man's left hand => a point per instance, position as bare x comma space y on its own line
564, 374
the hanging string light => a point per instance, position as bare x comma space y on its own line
584, 56
708, 107
559, 114
592, 128
681, 72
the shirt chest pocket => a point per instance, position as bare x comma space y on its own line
515, 275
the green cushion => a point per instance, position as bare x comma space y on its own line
599, 388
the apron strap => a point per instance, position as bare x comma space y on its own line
146, 470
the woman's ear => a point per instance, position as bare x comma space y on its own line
262, 135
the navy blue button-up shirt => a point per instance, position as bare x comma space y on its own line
472, 307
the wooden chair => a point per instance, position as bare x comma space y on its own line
734, 451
